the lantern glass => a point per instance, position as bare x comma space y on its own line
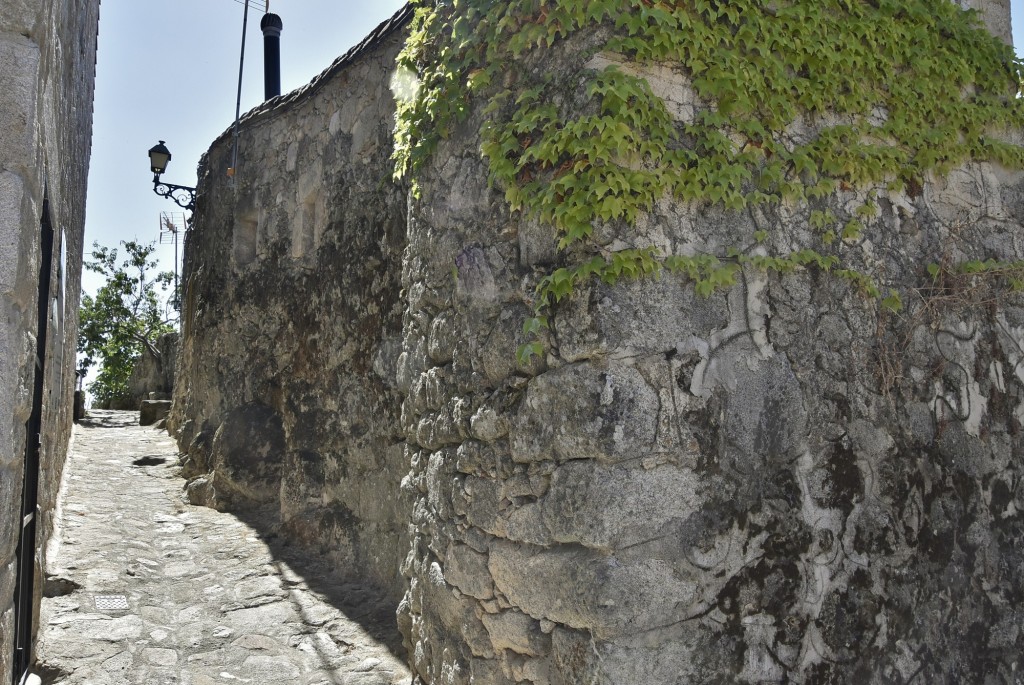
159, 157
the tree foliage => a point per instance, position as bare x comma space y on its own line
125, 317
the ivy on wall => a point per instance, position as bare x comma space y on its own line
884, 93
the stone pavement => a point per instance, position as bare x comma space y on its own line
146, 589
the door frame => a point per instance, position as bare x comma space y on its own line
24, 594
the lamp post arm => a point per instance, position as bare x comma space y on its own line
184, 196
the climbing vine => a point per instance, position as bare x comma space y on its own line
795, 101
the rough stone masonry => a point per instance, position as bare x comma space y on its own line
47, 67
768, 485
285, 394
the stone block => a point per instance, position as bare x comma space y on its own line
19, 76
590, 590
610, 507
152, 411
201, 491
15, 247
765, 415
15, 365
516, 632
8, 578
153, 375
635, 318
466, 569
247, 452
584, 412
995, 14
452, 614
20, 17
689, 653
444, 335
11, 478
6, 628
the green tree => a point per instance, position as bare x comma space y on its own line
125, 317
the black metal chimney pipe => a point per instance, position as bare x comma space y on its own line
271, 25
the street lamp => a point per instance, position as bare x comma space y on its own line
159, 158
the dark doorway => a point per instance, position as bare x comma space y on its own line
26, 556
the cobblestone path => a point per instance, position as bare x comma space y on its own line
148, 590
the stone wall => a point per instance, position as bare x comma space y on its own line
285, 396
47, 67
778, 483
995, 14
687, 490
154, 373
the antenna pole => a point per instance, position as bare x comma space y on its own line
177, 291
238, 101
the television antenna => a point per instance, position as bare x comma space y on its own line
172, 224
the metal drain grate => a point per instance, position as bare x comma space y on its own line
111, 602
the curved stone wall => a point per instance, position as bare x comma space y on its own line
779, 483
284, 397
782, 483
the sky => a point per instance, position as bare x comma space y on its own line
169, 71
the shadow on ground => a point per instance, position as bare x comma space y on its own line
346, 589
211, 596
343, 588
108, 418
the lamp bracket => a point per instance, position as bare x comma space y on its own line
184, 196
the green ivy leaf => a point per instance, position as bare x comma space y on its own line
527, 351
892, 302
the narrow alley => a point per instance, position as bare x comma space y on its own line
146, 589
